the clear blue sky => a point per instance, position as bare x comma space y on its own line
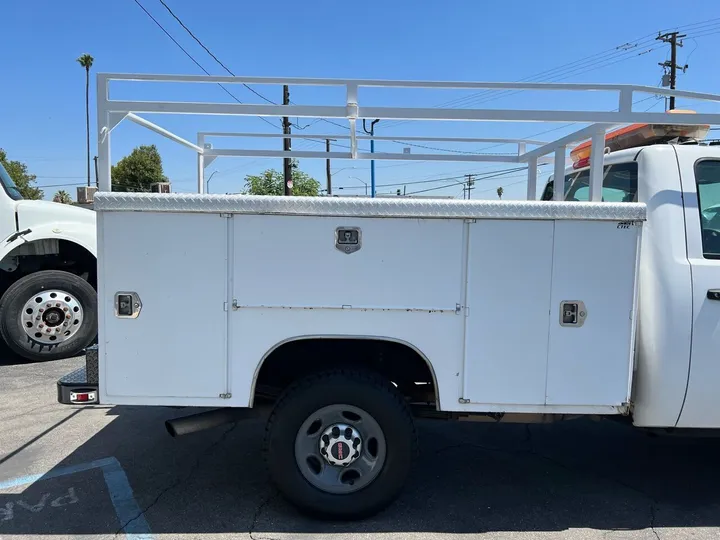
42, 118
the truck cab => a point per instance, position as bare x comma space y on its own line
676, 370
48, 305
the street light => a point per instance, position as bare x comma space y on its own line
343, 169
358, 179
207, 182
363, 181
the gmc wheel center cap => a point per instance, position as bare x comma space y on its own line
340, 445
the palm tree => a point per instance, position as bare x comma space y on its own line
62, 196
500, 192
86, 61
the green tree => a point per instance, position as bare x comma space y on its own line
63, 197
139, 170
86, 61
271, 182
23, 180
500, 192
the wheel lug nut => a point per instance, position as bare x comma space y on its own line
65, 324
49, 330
57, 304
67, 316
37, 318
41, 310
48, 304
41, 325
65, 308
57, 330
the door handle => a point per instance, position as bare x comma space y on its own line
713, 294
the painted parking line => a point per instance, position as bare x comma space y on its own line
121, 493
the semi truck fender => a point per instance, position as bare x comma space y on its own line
76, 233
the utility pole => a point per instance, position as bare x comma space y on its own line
287, 163
372, 151
327, 168
470, 185
672, 38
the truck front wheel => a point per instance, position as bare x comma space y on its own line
49, 315
340, 444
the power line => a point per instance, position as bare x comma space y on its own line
210, 53
566, 75
614, 53
543, 76
707, 34
190, 56
58, 177
437, 177
491, 95
617, 56
395, 184
504, 186
60, 185
482, 176
559, 127
460, 173
214, 57
487, 177
449, 149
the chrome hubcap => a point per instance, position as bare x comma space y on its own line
51, 317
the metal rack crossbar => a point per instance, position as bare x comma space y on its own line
112, 112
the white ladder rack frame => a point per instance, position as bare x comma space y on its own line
112, 112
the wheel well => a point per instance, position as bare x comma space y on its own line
399, 362
49, 254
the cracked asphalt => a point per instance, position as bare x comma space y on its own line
574, 480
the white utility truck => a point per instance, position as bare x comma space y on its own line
351, 316
48, 308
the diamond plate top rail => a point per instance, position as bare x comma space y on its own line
367, 207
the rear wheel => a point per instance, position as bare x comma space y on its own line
340, 444
49, 315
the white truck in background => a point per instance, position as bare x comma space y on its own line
48, 272
350, 317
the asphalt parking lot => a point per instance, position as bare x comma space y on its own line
113, 472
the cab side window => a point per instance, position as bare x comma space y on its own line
707, 177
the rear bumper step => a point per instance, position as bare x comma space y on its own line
80, 387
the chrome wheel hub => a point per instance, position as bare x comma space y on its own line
51, 317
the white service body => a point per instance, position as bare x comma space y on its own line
476, 287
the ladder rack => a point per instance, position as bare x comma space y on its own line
112, 112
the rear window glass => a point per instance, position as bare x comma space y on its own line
619, 184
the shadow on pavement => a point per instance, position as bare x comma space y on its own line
471, 478
9, 358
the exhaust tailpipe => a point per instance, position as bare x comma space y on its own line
206, 420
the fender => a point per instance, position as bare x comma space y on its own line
75, 232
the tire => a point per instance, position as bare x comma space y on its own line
22, 298
292, 431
